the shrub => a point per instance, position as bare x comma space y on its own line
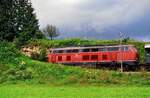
42, 56
35, 56
3, 68
20, 72
8, 53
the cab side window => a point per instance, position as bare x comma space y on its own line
86, 50
94, 50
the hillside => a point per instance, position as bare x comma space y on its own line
17, 68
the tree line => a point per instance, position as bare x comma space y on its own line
18, 21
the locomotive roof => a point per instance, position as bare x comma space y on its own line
70, 48
147, 46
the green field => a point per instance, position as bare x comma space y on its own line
43, 91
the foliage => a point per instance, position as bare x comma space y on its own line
8, 53
125, 40
17, 18
51, 31
42, 56
6, 20
19, 72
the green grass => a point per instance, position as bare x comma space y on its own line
45, 91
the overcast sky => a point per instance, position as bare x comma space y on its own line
101, 19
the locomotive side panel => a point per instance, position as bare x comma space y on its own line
52, 58
107, 54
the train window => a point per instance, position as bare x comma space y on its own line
55, 51
124, 48
86, 50
94, 57
68, 58
60, 51
59, 58
68, 51
113, 49
72, 51
75, 51
102, 49
94, 50
85, 57
104, 57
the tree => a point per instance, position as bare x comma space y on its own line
7, 30
17, 17
26, 19
51, 31
125, 40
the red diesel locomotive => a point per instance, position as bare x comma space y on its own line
95, 55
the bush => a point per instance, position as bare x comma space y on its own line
35, 56
3, 68
20, 72
8, 53
42, 56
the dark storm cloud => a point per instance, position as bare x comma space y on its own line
101, 19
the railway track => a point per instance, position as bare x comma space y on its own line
132, 69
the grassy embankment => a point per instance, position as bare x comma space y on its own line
22, 77
15, 67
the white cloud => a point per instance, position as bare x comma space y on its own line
98, 14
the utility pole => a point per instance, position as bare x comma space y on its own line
121, 55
